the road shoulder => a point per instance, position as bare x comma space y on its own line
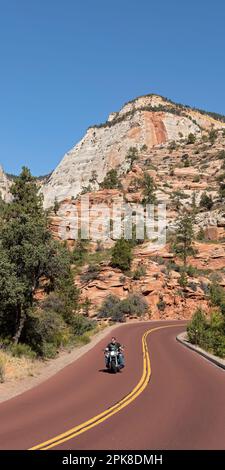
182, 338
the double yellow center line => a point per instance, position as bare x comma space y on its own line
96, 420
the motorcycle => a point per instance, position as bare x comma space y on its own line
112, 360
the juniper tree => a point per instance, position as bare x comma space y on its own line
111, 180
148, 186
30, 255
122, 254
132, 155
184, 237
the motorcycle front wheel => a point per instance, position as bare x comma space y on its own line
113, 367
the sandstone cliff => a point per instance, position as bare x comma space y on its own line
146, 121
182, 173
5, 184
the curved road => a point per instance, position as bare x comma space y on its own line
182, 406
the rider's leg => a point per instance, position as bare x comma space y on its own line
107, 361
121, 361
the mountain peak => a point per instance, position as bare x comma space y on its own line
146, 121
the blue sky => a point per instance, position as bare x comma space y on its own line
66, 64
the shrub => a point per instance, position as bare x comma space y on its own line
196, 327
213, 136
84, 339
218, 344
2, 368
190, 270
115, 308
196, 179
21, 349
206, 201
43, 327
216, 321
222, 190
205, 287
86, 306
122, 255
53, 302
134, 304
81, 324
201, 234
204, 138
215, 277
217, 296
144, 148
91, 274
79, 252
108, 306
172, 266
49, 350
111, 180
192, 286
221, 155
132, 155
139, 272
86, 189
191, 139
56, 206
161, 304
158, 259
185, 160
214, 342
176, 197
172, 146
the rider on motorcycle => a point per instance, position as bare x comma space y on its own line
115, 345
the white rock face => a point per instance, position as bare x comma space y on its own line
106, 147
5, 184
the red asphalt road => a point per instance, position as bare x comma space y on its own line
183, 406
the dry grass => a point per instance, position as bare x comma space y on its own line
16, 368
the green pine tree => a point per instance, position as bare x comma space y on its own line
30, 255
122, 255
184, 237
148, 186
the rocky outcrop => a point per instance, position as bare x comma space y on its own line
5, 184
211, 218
67, 222
147, 121
159, 283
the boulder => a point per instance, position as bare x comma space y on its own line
211, 233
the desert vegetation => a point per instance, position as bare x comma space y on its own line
39, 301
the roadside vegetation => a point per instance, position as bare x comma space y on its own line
39, 302
208, 332
116, 309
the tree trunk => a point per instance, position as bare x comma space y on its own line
22, 318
